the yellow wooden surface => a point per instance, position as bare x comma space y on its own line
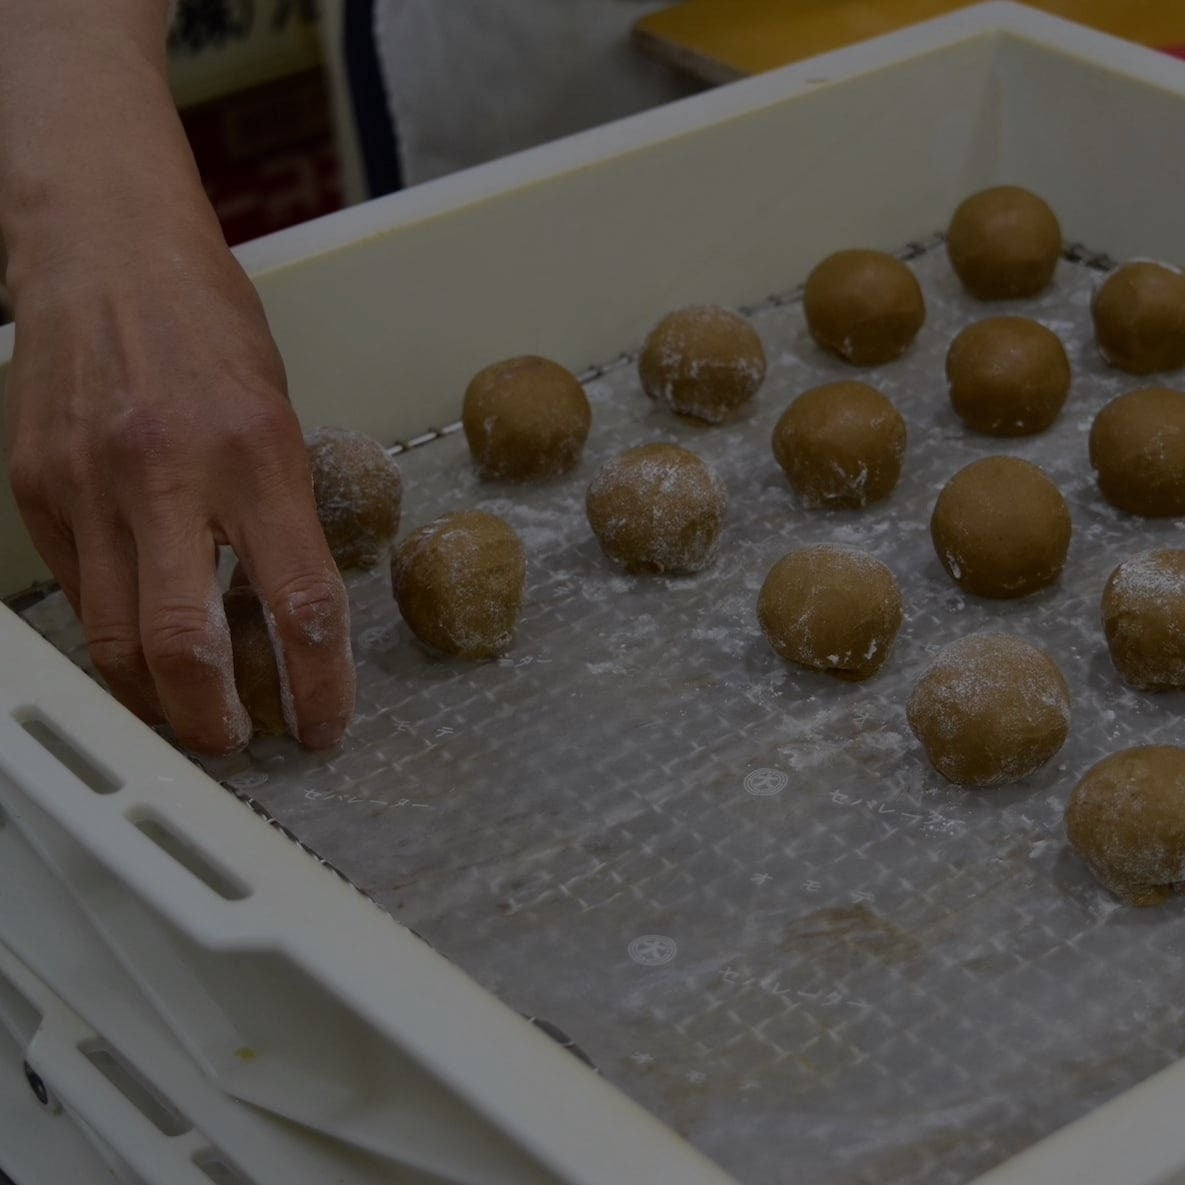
722, 39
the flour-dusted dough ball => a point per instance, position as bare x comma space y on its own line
1008, 376
257, 679
1004, 243
1001, 528
991, 709
657, 508
832, 609
358, 493
841, 445
525, 419
1126, 819
864, 306
1139, 318
1137, 448
702, 361
459, 583
1144, 620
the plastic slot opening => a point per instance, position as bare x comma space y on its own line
128, 1081
84, 768
17, 1014
191, 858
218, 1170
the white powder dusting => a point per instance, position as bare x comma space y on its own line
287, 702
993, 704
659, 508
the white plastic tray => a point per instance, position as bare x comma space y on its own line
149, 920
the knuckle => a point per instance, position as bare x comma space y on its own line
141, 438
265, 446
40, 478
116, 654
26, 478
311, 610
181, 641
45, 505
268, 427
52, 473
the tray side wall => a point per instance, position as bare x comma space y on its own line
580, 264
1104, 150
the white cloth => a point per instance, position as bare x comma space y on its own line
470, 80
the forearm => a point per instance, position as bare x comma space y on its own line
92, 154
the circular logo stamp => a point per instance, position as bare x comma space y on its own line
250, 780
376, 639
765, 782
652, 950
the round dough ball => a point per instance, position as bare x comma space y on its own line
657, 508
991, 709
1139, 318
864, 306
1008, 376
1004, 243
832, 609
525, 419
1137, 448
1001, 528
702, 361
358, 494
1126, 819
841, 445
1144, 620
459, 583
256, 678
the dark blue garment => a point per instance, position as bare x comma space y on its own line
372, 117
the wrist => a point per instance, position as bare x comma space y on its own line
96, 165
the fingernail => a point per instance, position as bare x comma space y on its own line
324, 735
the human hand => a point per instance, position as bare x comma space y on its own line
147, 424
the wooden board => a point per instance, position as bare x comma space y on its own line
720, 40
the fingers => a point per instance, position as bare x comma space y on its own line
99, 559
283, 551
52, 538
185, 638
129, 523
109, 610
308, 616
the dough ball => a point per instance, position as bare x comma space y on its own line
1139, 318
991, 709
702, 361
1004, 243
1137, 447
864, 306
525, 419
1144, 620
358, 493
459, 583
1001, 528
1126, 819
256, 678
841, 445
1008, 376
657, 508
833, 609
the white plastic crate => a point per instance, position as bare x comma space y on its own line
202, 999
